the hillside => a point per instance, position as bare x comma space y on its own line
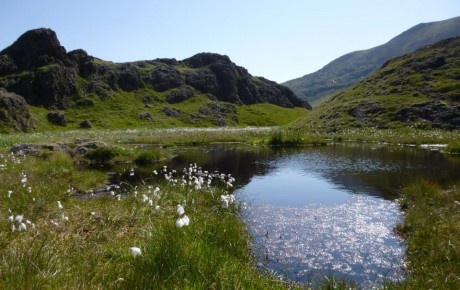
54, 87
420, 89
350, 68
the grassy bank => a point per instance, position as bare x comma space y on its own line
432, 232
253, 135
127, 239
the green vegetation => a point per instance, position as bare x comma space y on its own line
293, 138
431, 230
418, 90
147, 158
52, 240
348, 69
124, 110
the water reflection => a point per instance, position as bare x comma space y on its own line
323, 210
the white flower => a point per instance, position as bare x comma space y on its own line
10, 192
179, 223
157, 208
185, 220
180, 210
19, 218
11, 218
22, 227
60, 207
227, 200
135, 251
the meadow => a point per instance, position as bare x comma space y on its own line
178, 230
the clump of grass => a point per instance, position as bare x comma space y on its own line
103, 155
432, 233
147, 158
453, 148
292, 137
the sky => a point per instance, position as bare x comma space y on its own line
279, 40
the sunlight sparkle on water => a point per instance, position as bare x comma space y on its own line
354, 240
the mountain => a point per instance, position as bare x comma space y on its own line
352, 67
39, 70
417, 90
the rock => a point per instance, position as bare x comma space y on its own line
14, 112
179, 95
204, 59
57, 118
365, 111
84, 146
434, 113
202, 80
86, 124
52, 87
273, 93
36, 149
171, 112
7, 66
216, 75
219, 112
128, 78
85, 63
164, 77
36, 48
146, 116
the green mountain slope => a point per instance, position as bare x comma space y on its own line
420, 89
350, 68
53, 88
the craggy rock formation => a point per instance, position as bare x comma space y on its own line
216, 75
37, 68
14, 112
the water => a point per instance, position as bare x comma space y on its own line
328, 210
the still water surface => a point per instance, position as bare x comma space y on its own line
327, 210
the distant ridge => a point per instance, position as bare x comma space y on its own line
416, 90
352, 67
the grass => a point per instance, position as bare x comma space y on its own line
289, 138
432, 232
86, 244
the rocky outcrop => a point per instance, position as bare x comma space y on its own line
437, 114
14, 112
37, 68
36, 48
216, 75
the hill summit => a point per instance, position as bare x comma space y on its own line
346, 70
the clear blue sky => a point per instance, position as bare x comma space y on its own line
279, 40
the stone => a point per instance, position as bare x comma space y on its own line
14, 112
146, 116
57, 118
164, 77
171, 112
86, 124
180, 94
